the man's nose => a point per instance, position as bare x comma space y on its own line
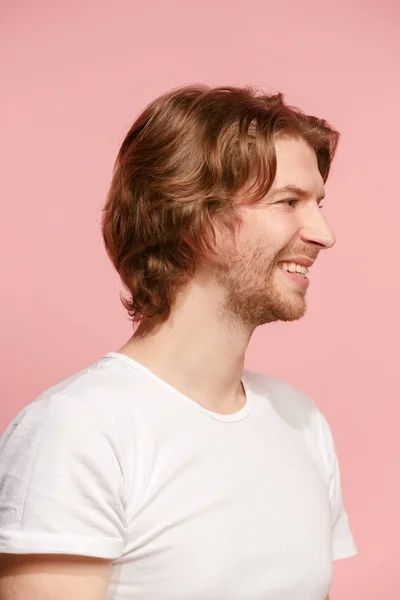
316, 230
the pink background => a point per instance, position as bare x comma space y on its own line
75, 75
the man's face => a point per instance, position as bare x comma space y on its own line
283, 226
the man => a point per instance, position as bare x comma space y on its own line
165, 470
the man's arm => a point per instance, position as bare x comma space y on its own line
45, 576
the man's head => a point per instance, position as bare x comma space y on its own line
227, 181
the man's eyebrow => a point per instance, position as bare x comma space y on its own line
293, 189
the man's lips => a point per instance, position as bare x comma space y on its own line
299, 260
300, 280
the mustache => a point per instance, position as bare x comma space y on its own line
304, 252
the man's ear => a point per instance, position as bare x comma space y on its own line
187, 239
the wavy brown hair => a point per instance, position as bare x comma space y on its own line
178, 173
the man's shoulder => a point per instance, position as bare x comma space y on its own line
95, 389
291, 402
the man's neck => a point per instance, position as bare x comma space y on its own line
197, 351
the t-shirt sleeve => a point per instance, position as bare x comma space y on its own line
343, 544
61, 482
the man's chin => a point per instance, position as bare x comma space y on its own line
292, 316
290, 307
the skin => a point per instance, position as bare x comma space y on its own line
214, 316
217, 313
53, 577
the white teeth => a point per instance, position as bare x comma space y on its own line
294, 268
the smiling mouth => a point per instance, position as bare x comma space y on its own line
296, 273
292, 267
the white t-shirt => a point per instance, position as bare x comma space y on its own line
190, 504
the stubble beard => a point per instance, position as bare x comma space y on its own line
256, 294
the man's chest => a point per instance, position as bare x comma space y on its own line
237, 518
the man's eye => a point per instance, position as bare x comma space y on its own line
292, 203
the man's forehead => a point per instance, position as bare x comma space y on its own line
297, 173
297, 169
